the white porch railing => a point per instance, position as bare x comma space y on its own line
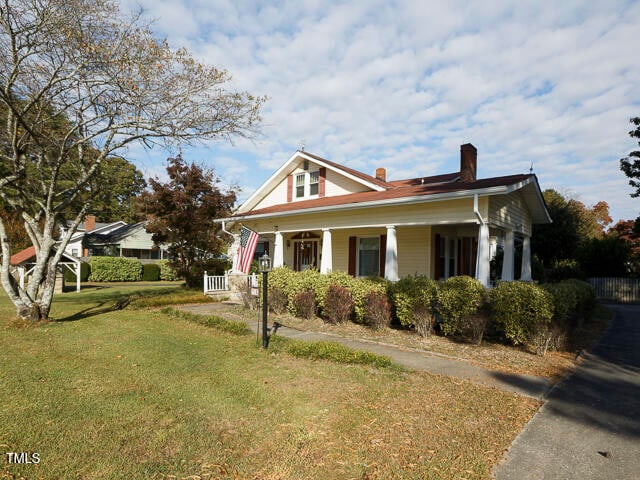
220, 283
215, 283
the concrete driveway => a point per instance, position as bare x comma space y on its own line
589, 427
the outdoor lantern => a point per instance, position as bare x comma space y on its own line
265, 268
265, 263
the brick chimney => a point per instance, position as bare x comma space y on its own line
468, 162
89, 223
381, 174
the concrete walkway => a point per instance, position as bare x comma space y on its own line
527, 385
589, 428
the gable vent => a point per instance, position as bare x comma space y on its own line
305, 165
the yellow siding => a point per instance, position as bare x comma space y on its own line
414, 247
510, 211
337, 184
275, 197
414, 250
449, 212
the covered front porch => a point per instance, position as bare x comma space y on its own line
396, 251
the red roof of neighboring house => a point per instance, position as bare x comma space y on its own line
399, 189
23, 256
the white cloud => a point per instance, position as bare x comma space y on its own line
403, 84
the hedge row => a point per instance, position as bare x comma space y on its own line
335, 297
539, 316
118, 269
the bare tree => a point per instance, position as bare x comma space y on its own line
79, 81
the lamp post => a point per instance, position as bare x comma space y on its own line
265, 268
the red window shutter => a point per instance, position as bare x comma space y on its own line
437, 273
383, 253
289, 188
322, 177
352, 256
296, 259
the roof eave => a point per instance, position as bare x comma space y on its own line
375, 203
272, 181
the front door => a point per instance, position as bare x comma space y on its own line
305, 255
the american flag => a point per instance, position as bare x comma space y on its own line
248, 243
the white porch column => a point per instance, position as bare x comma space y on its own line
391, 255
21, 271
78, 270
507, 259
525, 272
278, 251
482, 260
326, 262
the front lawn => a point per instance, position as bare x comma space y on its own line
492, 355
117, 392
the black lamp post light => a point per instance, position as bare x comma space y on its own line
265, 268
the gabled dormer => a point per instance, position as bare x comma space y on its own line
306, 177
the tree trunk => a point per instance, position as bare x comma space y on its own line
30, 312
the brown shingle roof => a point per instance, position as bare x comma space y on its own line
394, 190
444, 178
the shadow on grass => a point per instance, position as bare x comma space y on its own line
98, 309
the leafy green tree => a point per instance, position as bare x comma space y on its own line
117, 187
180, 214
628, 231
630, 165
605, 257
79, 82
573, 224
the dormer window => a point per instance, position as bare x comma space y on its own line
300, 185
307, 184
314, 181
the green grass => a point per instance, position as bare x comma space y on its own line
111, 392
213, 321
332, 351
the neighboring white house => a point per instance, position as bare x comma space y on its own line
314, 213
113, 239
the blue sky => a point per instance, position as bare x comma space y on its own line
403, 84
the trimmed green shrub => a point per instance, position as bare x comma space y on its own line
414, 299
167, 273
304, 304
377, 311
565, 303
150, 272
338, 304
277, 300
360, 288
524, 312
342, 279
573, 300
459, 300
586, 296
85, 271
115, 269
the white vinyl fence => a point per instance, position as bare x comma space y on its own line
623, 290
